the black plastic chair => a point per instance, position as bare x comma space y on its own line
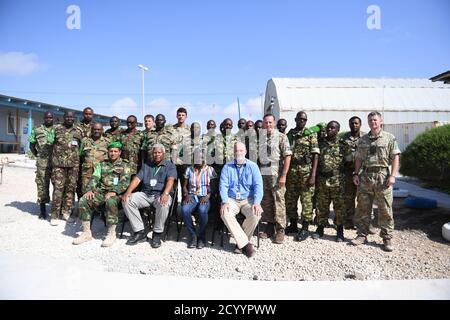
150, 211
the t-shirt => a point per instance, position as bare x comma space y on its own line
154, 177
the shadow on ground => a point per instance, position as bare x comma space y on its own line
27, 207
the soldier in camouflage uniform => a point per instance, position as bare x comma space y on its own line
85, 129
376, 151
110, 179
302, 175
41, 145
213, 151
149, 123
274, 159
113, 133
349, 141
131, 140
229, 140
66, 162
93, 151
330, 182
183, 136
85, 125
165, 135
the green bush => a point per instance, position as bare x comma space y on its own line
428, 158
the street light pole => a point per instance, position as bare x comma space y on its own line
143, 69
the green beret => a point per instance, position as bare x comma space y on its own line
321, 125
115, 144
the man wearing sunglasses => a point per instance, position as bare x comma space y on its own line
376, 151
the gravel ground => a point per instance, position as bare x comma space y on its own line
420, 251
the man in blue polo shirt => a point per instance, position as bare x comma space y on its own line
158, 177
241, 190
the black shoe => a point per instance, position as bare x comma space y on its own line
192, 242
139, 236
340, 233
303, 234
318, 234
293, 228
156, 240
43, 214
248, 250
200, 244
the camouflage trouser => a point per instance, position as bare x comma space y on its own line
43, 174
79, 190
64, 182
325, 195
297, 185
349, 198
86, 174
111, 208
273, 202
133, 160
372, 188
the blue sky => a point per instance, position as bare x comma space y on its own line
205, 54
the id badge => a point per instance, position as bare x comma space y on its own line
238, 196
153, 182
115, 181
74, 143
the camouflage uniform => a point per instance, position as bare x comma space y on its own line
348, 147
107, 177
183, 139
273, 149
303, 148
330, 182
228, 146
84, 128
376, 154
92, 153
167, 137
113, 135
66, 162
42, 137
131, 148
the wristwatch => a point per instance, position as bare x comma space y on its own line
165, 193
355, 173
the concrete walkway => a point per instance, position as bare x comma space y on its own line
443, 199
27, 277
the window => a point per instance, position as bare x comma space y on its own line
11, 125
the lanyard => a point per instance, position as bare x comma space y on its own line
240, 172
155, 172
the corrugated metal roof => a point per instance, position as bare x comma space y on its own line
360, 94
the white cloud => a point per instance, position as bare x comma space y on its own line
125, 107
19, 63
251, 109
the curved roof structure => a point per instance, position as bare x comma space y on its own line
357, 94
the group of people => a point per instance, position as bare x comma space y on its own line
259, 171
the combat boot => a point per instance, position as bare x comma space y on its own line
110, 236
65, 216
387, 245
340, 233
293, 228
303, 234
43, 214
86, 235
319, 233
268, 231
359, 240
279, 237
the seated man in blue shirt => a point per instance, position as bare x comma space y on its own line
241, 190
158, 177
